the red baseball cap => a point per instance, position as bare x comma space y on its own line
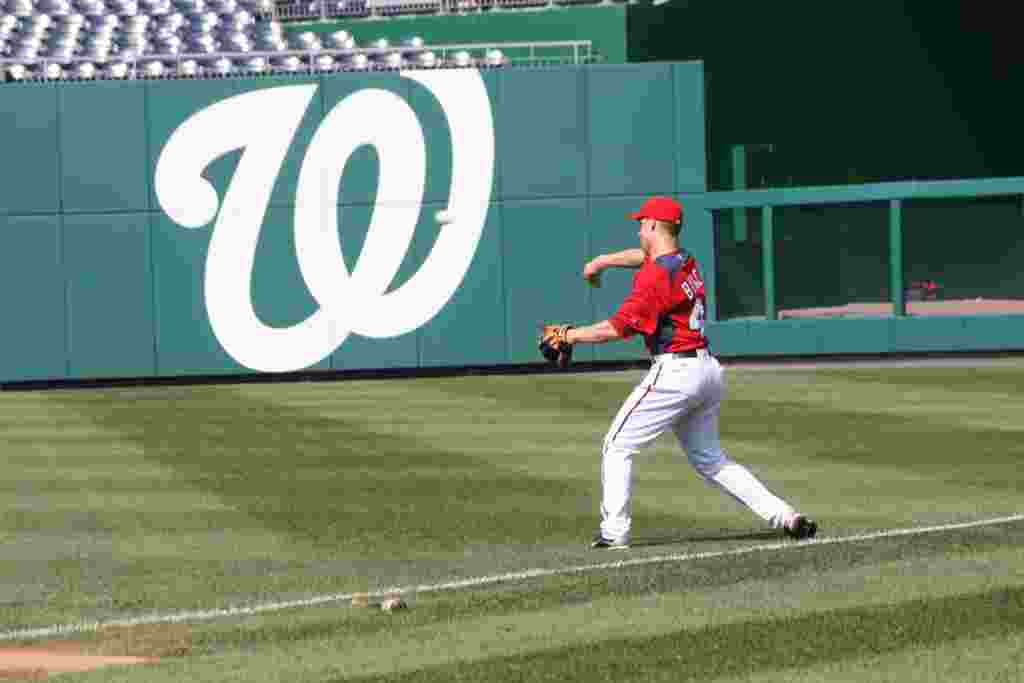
660, 209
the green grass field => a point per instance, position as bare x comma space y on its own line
160, 501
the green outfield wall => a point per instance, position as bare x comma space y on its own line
108, 266
182, 228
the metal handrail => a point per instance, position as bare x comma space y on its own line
317, 10
894, 194
581, 49
869, 192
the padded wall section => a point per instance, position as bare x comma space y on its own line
109, 295
99, 281
104, 147
32, 298
29, 145
631, 129
544, 252
542, 145
185, 341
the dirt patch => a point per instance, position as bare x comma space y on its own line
35, 664
108, 646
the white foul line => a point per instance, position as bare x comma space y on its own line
228, 612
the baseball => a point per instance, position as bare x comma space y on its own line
444, 217
393, 603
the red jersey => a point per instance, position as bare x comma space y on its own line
666, 305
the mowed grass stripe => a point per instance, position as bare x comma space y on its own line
503, 428
758, 428
285, 441
973, 456
911, 564
353, 482
1004, 380
924, 458
995, 659
570, 611
960, 403
752, 646
633, 576
583, 612
342, 482
776, 411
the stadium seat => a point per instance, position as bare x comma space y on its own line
26, 53
87, 39
495, 58
116, 70
346, 8
16, 72
256, 65
221, 66
340, 40
386, 8
85, 71
378, 55
324, 63
91, 8
287, 64
306, 40
51, 72
188, 68
513, 4
153, 69
427, 60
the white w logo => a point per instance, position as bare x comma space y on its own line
263, 124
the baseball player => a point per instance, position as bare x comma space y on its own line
684, 388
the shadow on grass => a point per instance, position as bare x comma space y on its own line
659, 539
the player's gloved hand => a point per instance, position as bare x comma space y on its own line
554, 345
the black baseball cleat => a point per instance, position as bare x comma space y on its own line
801, 527
602, 543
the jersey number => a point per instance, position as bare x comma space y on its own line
697, 317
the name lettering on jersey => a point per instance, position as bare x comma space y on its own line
692, 285
263, 123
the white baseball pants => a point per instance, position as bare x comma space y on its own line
683, 395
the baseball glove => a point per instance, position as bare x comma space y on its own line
553, 345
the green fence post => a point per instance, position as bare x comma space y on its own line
899, 307
739, 182
768, 262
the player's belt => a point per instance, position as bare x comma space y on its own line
703, 354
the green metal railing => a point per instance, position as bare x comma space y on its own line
893, 193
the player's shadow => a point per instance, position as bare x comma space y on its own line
649, 541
